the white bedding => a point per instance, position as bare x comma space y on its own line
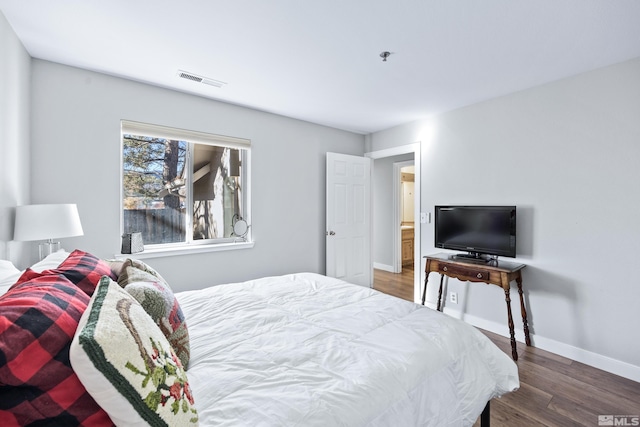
307, 350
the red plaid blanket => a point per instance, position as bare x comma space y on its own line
82, 268
38, 319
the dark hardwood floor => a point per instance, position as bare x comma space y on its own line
554, 390
396, 284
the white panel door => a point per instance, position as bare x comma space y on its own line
348, 233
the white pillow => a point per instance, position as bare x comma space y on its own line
9, 274
51, 261
127, 365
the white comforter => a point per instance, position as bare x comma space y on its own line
307, 350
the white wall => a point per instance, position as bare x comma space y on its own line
15, 73
76, 159
568, 155
383, 207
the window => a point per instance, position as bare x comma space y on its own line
182, 187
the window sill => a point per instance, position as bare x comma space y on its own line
185, 250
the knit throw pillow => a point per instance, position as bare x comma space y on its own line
127, 364
156, 297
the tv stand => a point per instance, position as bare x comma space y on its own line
494, 272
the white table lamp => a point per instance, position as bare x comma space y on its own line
47, 222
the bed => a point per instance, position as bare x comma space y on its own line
295, 350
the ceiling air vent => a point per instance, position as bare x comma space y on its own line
200, 79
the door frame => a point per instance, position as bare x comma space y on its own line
414, 148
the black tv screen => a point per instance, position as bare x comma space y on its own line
478, 230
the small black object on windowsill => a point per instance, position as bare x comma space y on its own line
132, 243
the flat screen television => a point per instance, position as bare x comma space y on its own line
480, 231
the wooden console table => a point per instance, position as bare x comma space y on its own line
500, 273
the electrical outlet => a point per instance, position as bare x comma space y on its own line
453, 297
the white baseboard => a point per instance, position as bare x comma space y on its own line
384, 267
599, 361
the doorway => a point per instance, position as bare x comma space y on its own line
386, 239
404, 206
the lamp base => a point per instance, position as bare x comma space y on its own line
47, 248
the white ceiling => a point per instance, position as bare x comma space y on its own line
320, 61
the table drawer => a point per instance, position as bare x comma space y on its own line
464, 273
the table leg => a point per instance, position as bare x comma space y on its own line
514, 351
427, 270
440, 292
424, 292
523, 311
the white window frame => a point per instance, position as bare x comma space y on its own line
190, 245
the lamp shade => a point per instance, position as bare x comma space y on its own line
42, 222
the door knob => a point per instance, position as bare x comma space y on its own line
331, 233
